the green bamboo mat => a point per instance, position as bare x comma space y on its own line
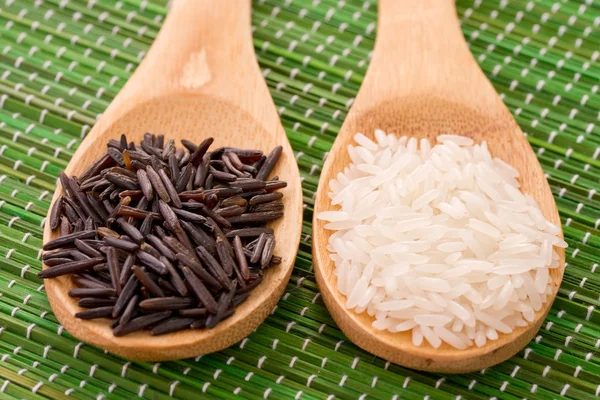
61, 63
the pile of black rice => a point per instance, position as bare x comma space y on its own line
164, 238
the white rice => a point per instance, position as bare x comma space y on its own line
438, 240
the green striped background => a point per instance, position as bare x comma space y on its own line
61, 63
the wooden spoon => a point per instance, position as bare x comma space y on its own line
423, 82
199, 79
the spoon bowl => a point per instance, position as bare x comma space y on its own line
215, 90
423, 82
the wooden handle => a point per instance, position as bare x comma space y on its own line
204, 49
203, 45
401, 11
420, 52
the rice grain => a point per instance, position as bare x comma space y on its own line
437, 239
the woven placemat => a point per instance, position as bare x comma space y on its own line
61, 63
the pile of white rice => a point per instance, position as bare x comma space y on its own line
438, 240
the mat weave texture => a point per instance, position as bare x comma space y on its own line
62, 62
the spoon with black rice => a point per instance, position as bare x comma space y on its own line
178, 242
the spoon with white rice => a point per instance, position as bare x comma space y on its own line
436, 240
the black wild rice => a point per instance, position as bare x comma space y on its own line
173, 324
92, 292
57, 261
93, 313
70, 267
164, 238
94, 302
193, 312
129, 310
139, 323
166, 303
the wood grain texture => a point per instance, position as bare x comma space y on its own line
199, 79
423, 82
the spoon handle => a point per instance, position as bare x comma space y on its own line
204, 45
204, 48
420, 51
